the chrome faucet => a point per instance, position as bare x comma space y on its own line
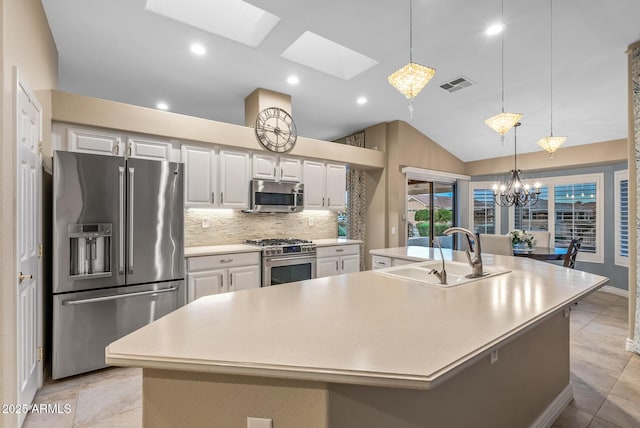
476, 262
442, 275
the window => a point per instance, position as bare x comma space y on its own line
569, 207
534, 217
484, 214
622, 217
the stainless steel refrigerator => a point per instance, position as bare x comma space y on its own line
118, 261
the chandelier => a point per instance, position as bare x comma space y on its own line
515, 192
551, 143
411, 78
502, 122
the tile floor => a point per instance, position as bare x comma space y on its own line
605, 378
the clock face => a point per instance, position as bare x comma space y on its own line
276, 130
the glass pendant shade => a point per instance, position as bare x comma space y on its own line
503, 122
411, 78
551, 144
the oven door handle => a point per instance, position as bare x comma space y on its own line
282, 259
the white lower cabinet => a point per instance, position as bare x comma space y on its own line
337, 259
208, 275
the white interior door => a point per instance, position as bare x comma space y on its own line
29, 303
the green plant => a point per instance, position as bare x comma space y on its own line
423, 228
422, 215
443, 215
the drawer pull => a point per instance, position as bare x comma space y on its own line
339, 250
226, 260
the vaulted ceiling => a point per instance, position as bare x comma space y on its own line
121, 51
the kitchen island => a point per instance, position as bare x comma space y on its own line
366, 349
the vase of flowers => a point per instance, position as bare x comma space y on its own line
522, 239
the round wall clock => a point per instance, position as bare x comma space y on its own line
276, 130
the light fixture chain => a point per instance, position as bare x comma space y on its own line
502, 54
410, 31
551, 66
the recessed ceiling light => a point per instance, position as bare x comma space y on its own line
293, 80
361, 100
494, 29
198, 49
162, 106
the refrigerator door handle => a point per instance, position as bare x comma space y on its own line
121, 223
118, 296
130, 231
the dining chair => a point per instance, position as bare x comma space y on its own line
496, 244
543, 238
572, 253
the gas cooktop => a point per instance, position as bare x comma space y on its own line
289, 246
272, 242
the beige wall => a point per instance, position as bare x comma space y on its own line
406, 146
83, 110
566, 157
27, 44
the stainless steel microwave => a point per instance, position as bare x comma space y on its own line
276, 197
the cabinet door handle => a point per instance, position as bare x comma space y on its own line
274, 171
323, 202
130, 144
213, 197
117, 148
221, 198
328, 202
343, 265
221, 281
230, 280
281, 172
337, 266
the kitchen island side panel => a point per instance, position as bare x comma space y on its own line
531, 372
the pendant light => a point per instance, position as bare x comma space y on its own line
551, 143
502, 122
514, 192
411, 78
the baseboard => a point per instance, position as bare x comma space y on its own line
631, 346
555, 409
615, 290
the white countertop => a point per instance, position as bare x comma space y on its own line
363, 328
415, 253
334, 241
213, 250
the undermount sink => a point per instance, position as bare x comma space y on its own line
456, 272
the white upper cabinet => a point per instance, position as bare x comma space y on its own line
199, 177
234, 179
144, 148
264, 167
105, 142
290, 169
85, 140
324, 185
269, 167
314, 176
336, 187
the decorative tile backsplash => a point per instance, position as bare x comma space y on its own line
233, 227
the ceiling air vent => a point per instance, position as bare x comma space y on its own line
457, 84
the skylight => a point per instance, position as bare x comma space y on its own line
232, 19
327, 56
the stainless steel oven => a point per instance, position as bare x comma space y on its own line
286, 260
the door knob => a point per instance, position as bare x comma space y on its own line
22, 277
